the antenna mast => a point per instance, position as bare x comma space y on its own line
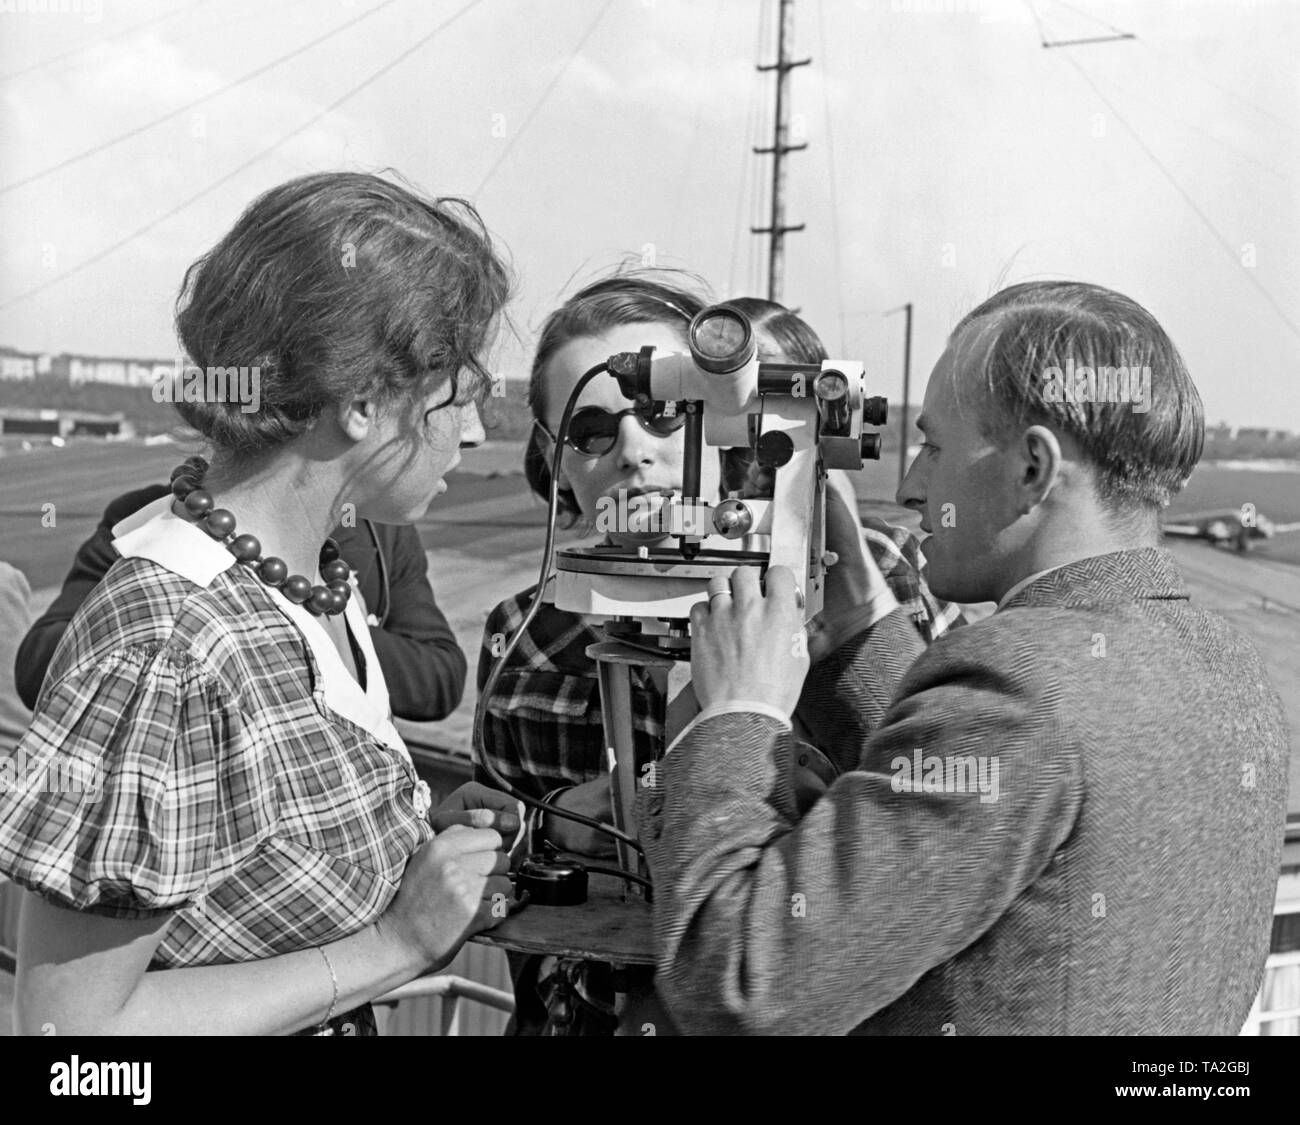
777, 228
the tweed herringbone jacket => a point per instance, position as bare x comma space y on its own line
1068, 820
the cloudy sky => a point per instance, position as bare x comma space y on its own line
949, 153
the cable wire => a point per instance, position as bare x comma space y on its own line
225, 179
830, 163
1042, 35
678, 203
170, 115
1195, 72
537, 105
618, 872
759, 203
99, 42
1223, 242
1187, 122
543, 579
747, 164
1093, 18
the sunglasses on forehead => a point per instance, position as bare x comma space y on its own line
593, 430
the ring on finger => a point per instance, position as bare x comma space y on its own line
719, 586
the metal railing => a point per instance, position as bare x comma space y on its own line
1260, 1016
452, 990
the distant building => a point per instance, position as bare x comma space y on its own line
78, 370
115, 372
19, 421
22, 365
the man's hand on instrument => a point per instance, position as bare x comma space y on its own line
855, 579
856, 593
747, 645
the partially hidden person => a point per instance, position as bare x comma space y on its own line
423, 664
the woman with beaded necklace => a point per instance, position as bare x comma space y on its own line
235, 806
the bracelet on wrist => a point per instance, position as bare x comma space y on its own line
334, 985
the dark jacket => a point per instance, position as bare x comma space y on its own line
1118, 880
422, 661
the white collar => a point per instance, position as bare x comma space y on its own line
1025, 582
370, 708
156, 533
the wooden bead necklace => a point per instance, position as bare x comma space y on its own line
197, 505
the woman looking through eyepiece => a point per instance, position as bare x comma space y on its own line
542, 726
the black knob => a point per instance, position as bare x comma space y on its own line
623, 364
775, 448
875, 411
870, 447
552, 882
632, 370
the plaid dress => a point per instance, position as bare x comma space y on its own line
542, 726
200, 751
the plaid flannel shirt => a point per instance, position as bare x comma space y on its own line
199, 749
542, 726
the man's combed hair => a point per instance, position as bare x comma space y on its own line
333, 285
1141, 457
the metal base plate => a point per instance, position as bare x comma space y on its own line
660, 562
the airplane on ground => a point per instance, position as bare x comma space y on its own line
1236, 526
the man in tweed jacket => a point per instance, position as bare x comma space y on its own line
1069, 816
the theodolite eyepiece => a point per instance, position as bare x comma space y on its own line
721, 340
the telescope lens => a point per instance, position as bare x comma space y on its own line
721, 340
720, 337
831, 386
